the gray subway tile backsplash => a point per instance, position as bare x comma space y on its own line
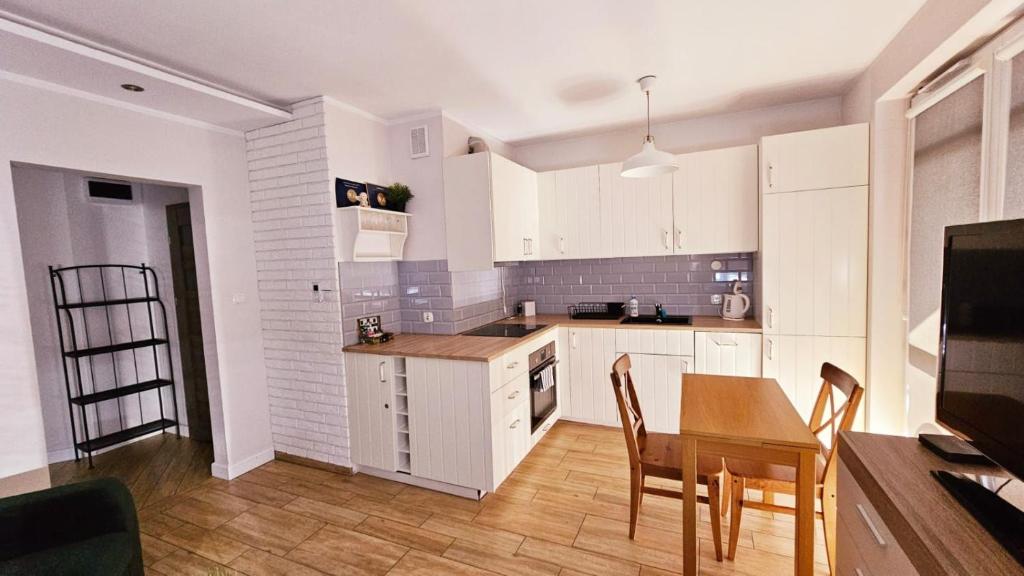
460, 301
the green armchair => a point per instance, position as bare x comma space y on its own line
85, 528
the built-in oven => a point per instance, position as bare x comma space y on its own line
543, 385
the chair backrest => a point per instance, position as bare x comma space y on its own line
834, 382
629, 409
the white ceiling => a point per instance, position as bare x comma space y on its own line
518, 69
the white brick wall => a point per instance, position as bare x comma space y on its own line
292, 205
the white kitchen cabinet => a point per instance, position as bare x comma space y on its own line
715, 201
814, 262
491, 211
658, 382
449, 421
815, 159
590, 398
795, 361
668, 342
371, 399
636, 214
727, 353
570, 214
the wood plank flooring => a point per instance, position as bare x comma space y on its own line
564, 511
153, 468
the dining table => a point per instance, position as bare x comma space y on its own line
753, 419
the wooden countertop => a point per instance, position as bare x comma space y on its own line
938, 535
485, 349
743, 410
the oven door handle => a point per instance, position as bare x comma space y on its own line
543, 365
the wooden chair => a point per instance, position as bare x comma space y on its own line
659, 455
771, 478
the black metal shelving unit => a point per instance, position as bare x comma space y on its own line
108, 294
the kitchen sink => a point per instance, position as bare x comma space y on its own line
653, 319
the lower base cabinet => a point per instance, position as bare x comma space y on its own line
727, 353
658, 383
795, 361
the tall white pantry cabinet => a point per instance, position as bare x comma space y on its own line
814, 252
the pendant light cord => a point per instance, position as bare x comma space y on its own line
648, 94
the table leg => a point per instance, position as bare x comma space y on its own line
690, 507
805, 514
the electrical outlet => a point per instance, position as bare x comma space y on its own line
716, 299
428, 317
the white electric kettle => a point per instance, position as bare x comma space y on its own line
735, 305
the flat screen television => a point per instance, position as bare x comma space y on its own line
981, 367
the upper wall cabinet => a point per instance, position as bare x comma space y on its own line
491, 211
570, 214
815, 159
715, 201
636, 214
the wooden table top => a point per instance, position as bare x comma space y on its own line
458, 347
485, 349
742, 410
938, 535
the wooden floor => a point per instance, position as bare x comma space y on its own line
154, 468
564, 511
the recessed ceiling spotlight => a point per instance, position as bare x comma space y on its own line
133, 87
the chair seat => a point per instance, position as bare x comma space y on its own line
662, 456
775, 472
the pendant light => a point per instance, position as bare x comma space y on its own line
649, 162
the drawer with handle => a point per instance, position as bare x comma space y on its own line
875, 543
513, 394
515, 363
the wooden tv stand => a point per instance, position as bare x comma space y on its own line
895, 518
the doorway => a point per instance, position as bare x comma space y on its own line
190, 333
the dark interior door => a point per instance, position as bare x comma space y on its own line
190, 333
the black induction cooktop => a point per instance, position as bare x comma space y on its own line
505, 330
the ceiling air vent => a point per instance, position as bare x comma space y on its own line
109, 190
418, 144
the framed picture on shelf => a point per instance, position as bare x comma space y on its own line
349, 193
378, 196
370, 331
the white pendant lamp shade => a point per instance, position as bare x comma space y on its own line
649, 162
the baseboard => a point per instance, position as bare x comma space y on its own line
234, 470
462, 491
311, 463
65, 454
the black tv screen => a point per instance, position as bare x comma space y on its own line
981, 365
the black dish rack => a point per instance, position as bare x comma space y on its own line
596, 310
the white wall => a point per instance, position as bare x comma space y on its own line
48, 128
59, 226
424, 177
704, 133
935, 34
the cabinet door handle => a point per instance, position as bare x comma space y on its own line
679, 238
572, 340
514, 425
512, 365
871, 525
771, 349
530, 243
665, 240
380, 369
513, 395
561, 244
686, 366
771, 317
771, 169
524, 246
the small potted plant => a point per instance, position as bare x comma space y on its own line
398, 196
